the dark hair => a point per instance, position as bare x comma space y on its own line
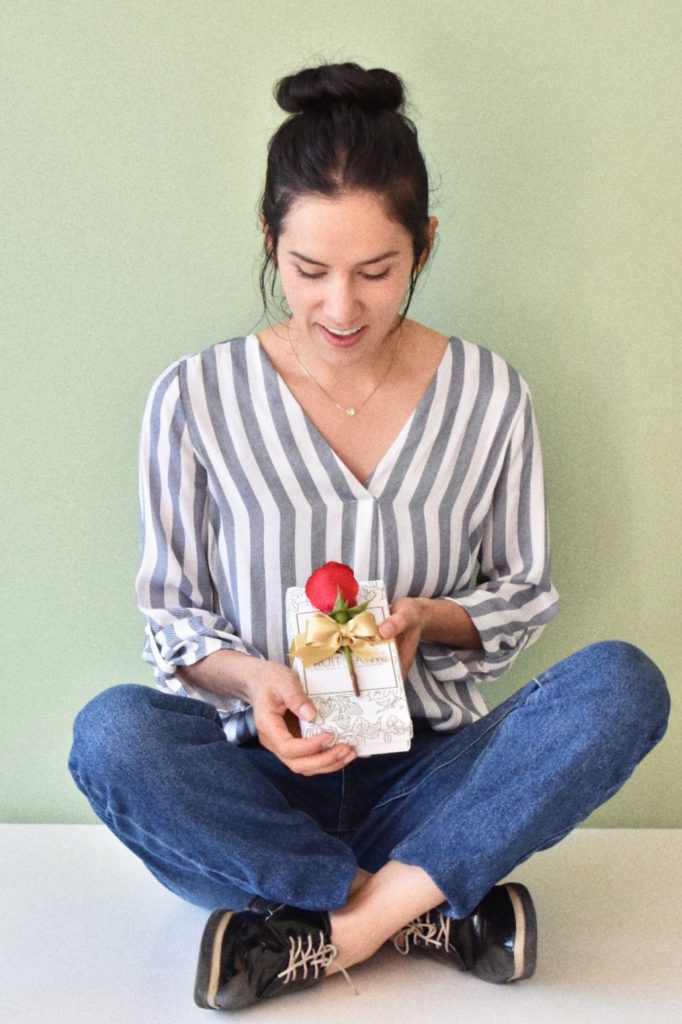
346, 131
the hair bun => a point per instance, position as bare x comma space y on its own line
317, 88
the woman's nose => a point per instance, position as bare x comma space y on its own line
341, 303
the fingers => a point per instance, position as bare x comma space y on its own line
404, 626
301, 705
283, 693
388, 629
312, 755
279, 706
394, 626
329, 760
404, 616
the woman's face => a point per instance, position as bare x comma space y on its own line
345, 267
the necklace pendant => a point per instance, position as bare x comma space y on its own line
350, 412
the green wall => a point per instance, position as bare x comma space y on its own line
133, 156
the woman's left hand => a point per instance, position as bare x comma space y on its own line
414, 619
405, 625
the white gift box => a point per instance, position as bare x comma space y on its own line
376, 722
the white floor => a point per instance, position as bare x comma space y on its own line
86, 935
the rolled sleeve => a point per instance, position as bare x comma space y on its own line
513, 597
174, 588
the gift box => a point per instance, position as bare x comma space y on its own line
376, 722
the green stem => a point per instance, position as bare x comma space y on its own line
351, 668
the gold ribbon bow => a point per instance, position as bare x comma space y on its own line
324, 637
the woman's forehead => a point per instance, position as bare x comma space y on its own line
359, 220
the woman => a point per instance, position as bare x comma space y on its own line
347, 432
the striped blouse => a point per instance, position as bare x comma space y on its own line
242, 497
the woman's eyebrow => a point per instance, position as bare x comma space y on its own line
365, 263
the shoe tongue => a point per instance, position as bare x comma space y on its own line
259, 905
292, 918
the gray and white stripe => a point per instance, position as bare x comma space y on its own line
242, 497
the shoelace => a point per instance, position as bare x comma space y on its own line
424, 930
306, 956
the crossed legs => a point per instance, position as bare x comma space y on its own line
458, 815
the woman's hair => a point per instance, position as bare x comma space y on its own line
346, 131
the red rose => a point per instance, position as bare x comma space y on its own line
325, 584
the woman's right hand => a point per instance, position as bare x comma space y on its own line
279, 704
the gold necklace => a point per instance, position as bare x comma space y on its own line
350, 410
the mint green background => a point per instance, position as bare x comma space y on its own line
133, 157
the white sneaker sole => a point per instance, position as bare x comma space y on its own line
210, 955
525, 944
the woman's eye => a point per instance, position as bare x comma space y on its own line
302, 273
367, 277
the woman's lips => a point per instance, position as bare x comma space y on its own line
342, 340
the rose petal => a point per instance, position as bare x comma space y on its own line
327, 581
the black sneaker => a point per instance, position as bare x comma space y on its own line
497, 941
261, 952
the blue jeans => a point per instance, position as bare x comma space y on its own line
218, 824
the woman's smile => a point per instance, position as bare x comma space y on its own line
342, 340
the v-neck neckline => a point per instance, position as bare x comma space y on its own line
390, 456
